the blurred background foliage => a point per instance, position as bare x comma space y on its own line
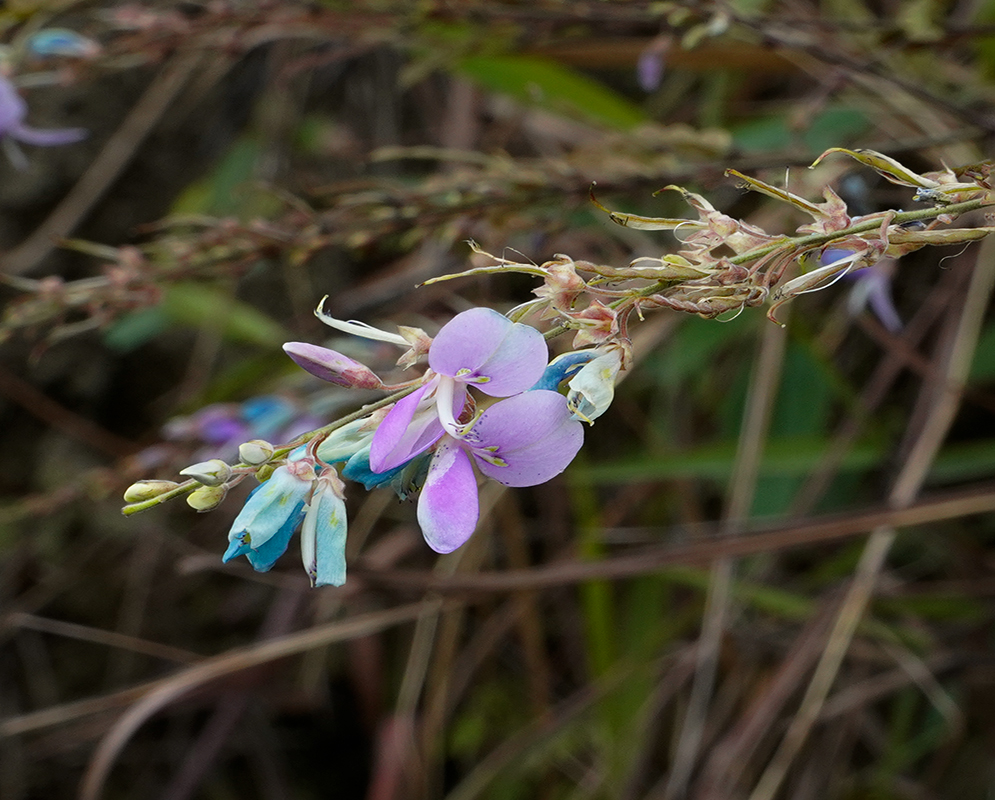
693, 608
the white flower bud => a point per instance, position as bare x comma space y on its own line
255, 452
591, 390
147, 490
210, 473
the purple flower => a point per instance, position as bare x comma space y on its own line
479, 347
650, 66
13, 110
332, 366
523, 440
872, 287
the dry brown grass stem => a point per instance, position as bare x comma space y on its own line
172, 688
954, 365
115, 155
764, 383
953, 505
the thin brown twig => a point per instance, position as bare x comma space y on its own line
979, 500
764, 383
86, 633
176, 686
43, 407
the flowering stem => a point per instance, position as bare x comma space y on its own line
304, 438
807, 242
280, 452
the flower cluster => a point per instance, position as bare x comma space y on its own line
488, 403
440, 431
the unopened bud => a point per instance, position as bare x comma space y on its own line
147, 490
255, 452
332, 366
210, 473
265, 471
206, 498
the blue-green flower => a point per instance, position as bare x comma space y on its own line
263, 527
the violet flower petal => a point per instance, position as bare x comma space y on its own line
410, 428
448, 507
482, 347
13, 109
527, 439
47, 137
872, 286
649, 69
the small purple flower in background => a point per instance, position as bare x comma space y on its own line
649, 67
872, 287
221, 427
62, 43
13, 110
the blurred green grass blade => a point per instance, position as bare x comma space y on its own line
983, 366
964, 461
784, 456
547, 84
940, 607
199, 306
596, 596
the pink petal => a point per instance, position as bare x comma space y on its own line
498, 356
448, 507
527, 439
332, 366
406, 431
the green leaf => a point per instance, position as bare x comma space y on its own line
547, 84
828, 128
229, 189
135, 329
200, 306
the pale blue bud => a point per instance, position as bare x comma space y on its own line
323, 534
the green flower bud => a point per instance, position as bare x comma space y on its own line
206, 498
255, 452
264, 472
210, 473
147, 490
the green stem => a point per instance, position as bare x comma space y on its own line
280, 452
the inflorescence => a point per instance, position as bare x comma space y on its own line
490, 401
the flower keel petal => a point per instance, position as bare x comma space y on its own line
448, 507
